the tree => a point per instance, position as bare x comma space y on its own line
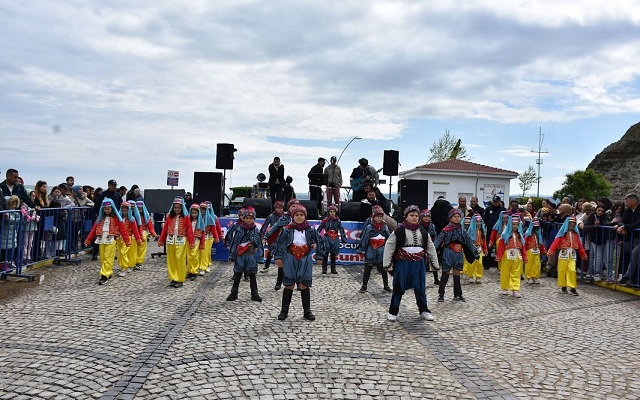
527, 179
447, 147
584, 184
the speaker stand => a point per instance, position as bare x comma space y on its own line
164, 250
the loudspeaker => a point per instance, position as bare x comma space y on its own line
413, 191
208, 186
158, 201
312, 209
224, 156
390, 163
262, 206
350, 211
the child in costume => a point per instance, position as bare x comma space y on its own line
453, 240
406, 253
425, 221
275, 231
193, 255
213, 234
535, 247
332, 227
372, 241
293, 255
512, 254
146, 228
246, 246
177, 233
272, 219
478, 234
568, 242
127, 255
496, 232
106, 230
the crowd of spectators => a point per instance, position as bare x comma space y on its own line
61, 204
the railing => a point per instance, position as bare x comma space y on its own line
27, 238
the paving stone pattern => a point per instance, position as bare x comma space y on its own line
139, 338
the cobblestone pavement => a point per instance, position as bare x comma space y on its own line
139, 338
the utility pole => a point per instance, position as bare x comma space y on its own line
539, 160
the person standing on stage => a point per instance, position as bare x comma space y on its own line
333, 177
276, 180
316, 180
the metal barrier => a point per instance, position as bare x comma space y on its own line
12, 230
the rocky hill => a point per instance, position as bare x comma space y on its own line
620, 163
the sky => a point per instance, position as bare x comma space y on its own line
129, 90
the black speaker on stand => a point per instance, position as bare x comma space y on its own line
413, 191
350, 211
390, 165
224, 161
208, 186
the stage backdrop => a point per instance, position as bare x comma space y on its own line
348, 254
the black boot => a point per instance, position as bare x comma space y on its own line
333, 264
444, 278
457, 289
254, 288
267, 262
234, 289
324, 265
436, 281
286, 300
279, 279
305, 294
365, 277
385, 281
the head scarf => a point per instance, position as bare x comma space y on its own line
135, 212
508, 230
129, 215
565, 226
180, 200
199, 219
529, 232
498, 225
476, 223
145, 212
108, 202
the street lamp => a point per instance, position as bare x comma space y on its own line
345, 147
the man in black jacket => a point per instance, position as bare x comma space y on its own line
11, 187
316, 180
440, 213
276, 180
491, 216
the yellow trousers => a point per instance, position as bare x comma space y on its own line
533, 265
205, 254
473, 270
193, 258
510, 272
141, 252
107, 255
567, 273
127, 255
177, 262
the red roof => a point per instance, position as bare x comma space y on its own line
465, 166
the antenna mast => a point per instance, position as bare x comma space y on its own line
539, 160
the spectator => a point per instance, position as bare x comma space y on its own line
630, 221
11, 187
131, 194
88, 191
598, 236
276, 180
9, 236
477, 209
467, 211
31, 219
288, 191
81, 199
188, 199
111, 193
70, 181
65, 200
440, 213
122, 190
491, 216
564, 211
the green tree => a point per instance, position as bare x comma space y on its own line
584, 184
446, 147
527, 179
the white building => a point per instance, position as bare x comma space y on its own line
455, 178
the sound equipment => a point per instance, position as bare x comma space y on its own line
312, 209
350, 211
158, 201
262, 206
390, 163
413, 191
208, 186
224, 156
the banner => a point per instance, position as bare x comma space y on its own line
348, 253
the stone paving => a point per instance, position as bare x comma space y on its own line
139, 338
